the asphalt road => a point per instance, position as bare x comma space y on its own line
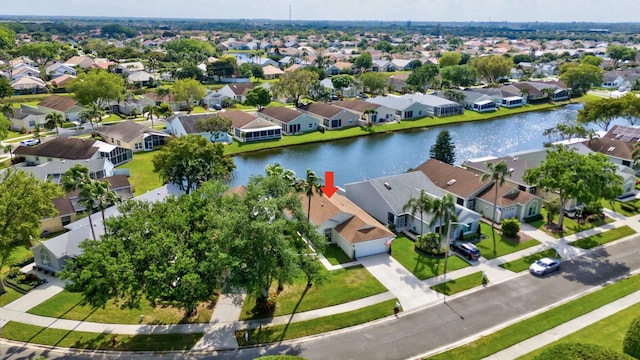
426, 330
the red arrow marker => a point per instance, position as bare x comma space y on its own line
328, 189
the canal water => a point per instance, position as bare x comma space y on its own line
374, 156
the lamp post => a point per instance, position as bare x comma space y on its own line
446, 252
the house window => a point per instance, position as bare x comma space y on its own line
408, 114
66, 220
118, 142
336, 123
390, 218
327, 235
460, 201
532, 211
32, 123
311, 126
532, 190
138, 146
626, 163
45, 257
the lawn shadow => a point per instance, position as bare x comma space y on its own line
295, 309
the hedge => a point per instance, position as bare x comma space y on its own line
578, 351
631, 344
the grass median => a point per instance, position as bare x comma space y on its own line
523, 330
603, 237
522, 264
460, 284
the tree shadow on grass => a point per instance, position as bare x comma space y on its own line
295, 310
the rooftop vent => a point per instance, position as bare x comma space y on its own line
387, 186
611, 149
451, 182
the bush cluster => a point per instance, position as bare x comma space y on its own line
578, 351
631, 344
510, 227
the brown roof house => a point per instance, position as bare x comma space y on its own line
249, 128
238, 91
64, 105
132, 136
345, 224
292, 121
181, 124
64, 148
331, 116
369, 112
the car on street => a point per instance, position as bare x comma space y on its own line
544, 266
29, 142
466, 249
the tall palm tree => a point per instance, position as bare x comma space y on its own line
149, 109
75, 178
92, 112
104, 198
497, 172
53, 120
309, 185
37, 132
87, 198
421, 204
443, 210
369, 113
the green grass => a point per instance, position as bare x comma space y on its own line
608, 332
522, 264
67, 305
317, 136
110, 118
503, 246
97, 341
603, 237
316, 326
340, 286
335, 255
13, 134
627, 208
535, 325
460, 284
9, 296
421, 266
570, 225
142, 177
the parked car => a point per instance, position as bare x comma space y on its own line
466, 249
29, 142
363, 96
217, 107
335, 97
544, 266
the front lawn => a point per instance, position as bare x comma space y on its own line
503, 245
460, 284
608, 332
627, 208
9, 296
67, 305
522, 264
340, 286
603, 237
97, 341
316, 326
421, 266
334, 254
540, 323
570, 226
142, 177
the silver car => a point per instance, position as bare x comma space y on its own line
544, 266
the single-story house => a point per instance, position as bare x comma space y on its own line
140, 78
330, 116
340, 67
436, 106
404, 108
54, 253
52, 170
381, 66
236, 91
69, 208
181, 124
67, 148
58, 69
62, 81
348, 92
84, 62
398, 82
29, 85
369, 112
166, 99
212, 98
132, 136
271, 72
384, 198
479, 102
249, 128
292, 121
22, 70
129, 67
63, 105
130, 104
345, 224
27, 117
508, 97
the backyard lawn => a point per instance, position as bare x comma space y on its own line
503, 245
522, 264
68, 305
340, 286
97, 341
421, 266
142, 177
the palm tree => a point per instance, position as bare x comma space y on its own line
103, 198
422, 203
454, 95
288, 175
92, 111
87, 198
309, 185
524, 93
149, 109
444, 210
53, 120
9, 149
369, 113
75, 178
497, 172
36, 133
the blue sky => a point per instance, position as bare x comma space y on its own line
403, 10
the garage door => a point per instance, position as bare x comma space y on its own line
370, 248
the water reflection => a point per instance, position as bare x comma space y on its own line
386, 154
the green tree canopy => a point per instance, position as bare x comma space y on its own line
258, 96
422, 76
189, 91
450, 58
190, 46
460, 75
24, 201
591, 60
341, 82
580, 78
191, 160
570, 175
213, 125
96, 87
7, 38
443, 149
40, 52
621, 53
294, 85
492, 67
5, 88
603, 111
631, 343
363, 62
374, 82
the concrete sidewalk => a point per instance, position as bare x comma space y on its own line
567, 328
